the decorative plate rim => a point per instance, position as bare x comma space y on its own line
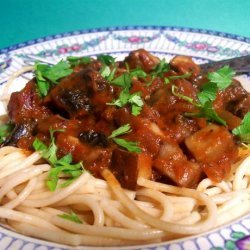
120, 28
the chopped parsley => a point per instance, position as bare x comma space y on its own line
223, 77
5, 130
111, 76
129, 145
208, 92
184, 76
139, 73
121, 131
123, 80
106, 59
184, 97
243, 130
205, 107
47, 75
75, 61
134, 100
167, 79
71, 217
59, 166
136, 103
160, 69
207, 111
218, 80
105, 71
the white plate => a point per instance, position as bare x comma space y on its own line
165, 42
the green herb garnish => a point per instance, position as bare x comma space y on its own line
134, 100
208, 92
72, 217
222, 77
5, 130
105, 71
136, 103
205, 107
129, 145
167, 79
125, 97
75, 61
184, 76
121, 131
160, 69
243, 130
207, 111
139, 73
184, 97
106, 59
123, 80
47, 75
59, 166
219, 80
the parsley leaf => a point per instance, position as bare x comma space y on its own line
139, 73
122, 99
136, 110
59, 166
5, 130
73, 170
208, 92
57, 71
106, 59
205, 106
42, 84
167, 79
207, 111
186, 75
219, 80
125, 97
110, 77
72, 217
184, 97
222, 77
134, 100
123, 80
136, 103
74, 60
243, 131
121, 131
46, 75
105, 71
129, 145
160, 68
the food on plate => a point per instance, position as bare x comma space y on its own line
103, 152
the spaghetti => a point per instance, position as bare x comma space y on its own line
110, 214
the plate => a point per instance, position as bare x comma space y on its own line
202, 45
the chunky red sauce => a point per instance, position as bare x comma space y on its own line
176, 149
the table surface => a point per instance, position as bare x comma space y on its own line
23, 20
